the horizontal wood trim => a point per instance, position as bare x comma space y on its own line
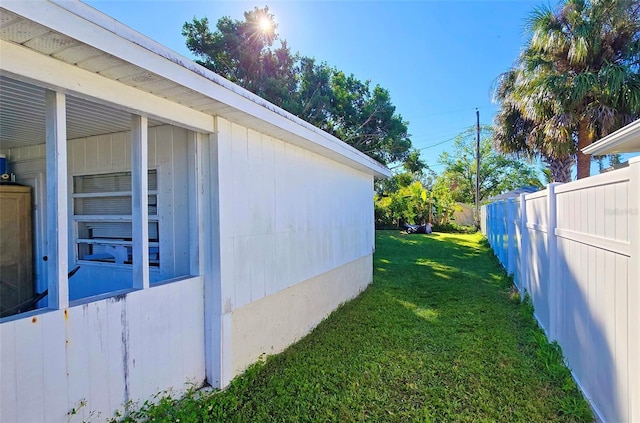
237, 104
109, 242
107, 194
109, 218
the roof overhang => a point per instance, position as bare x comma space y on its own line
96, 48
624, 140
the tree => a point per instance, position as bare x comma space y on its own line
414, 164
521, 136
576, 80
340, 104
407, 201
242, 52
498, 173
410, 196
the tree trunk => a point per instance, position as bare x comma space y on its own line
560, 169
585, 138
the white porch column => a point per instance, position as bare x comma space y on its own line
57, 210
219, 277
197, 209
140, 201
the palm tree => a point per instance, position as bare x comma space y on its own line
527, 136
576, 80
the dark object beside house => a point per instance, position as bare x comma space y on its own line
418, 229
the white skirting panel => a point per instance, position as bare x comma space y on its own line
271, 324
98, 356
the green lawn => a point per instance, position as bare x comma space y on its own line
439, 336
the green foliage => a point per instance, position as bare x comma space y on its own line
454, 228
576, 80
406, 198
498, 173
443, 201
436, 337
414, 164
352, 110
408, 204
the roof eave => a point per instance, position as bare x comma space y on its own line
624, 140
108, 35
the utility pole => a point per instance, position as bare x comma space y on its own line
477, 167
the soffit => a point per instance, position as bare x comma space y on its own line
624, 140
22, 116
22, 105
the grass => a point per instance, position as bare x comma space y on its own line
439, 336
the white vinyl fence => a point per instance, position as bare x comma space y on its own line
575, 249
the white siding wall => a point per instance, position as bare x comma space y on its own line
101, 354
112, 153
580, 262
296, 214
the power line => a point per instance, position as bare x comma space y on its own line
466, 109
437, 144
461, 132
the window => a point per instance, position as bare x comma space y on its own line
102, 218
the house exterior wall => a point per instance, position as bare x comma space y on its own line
269, 325
98, 356
291, 220
272, 226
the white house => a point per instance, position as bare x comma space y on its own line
209, 226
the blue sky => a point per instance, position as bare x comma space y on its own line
438, 59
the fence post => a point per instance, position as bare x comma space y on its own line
524, 247
633, 287
494, 228
502, 234
552, 251
511, 235
490, 228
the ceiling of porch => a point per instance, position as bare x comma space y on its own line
22, 104
22, 116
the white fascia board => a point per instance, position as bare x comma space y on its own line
25, 64
624, 140
87, 25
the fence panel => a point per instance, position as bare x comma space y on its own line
536, 263
515, 242
575, 249
593, 241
